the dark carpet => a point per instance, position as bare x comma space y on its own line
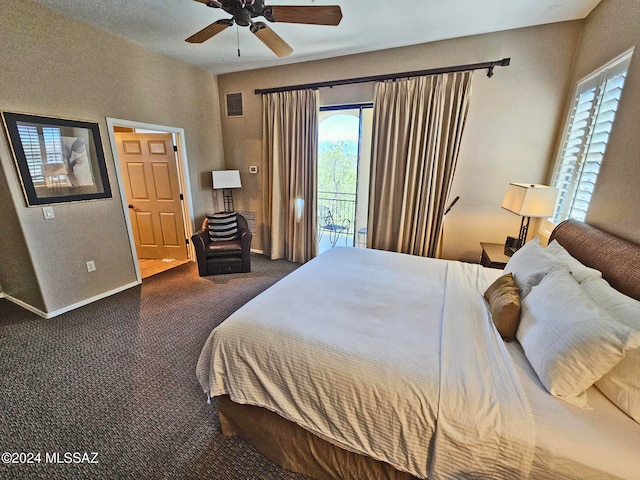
117, 377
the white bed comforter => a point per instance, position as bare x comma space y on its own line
388, 355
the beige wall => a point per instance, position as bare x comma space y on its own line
510, 133
611, 29
16, 270
53, 65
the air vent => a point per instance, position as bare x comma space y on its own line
234, 105
250, 217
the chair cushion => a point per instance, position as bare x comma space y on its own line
222, 226
224, 248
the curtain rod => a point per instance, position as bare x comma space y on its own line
392, 76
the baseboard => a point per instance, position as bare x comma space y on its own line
68, 308
24, 305
259, 252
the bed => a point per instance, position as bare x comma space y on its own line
367, 364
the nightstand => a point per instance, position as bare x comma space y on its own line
493, 255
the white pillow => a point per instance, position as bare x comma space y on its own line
577, 269
528, 265
622, 383
570, 341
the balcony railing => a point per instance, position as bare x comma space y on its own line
336, 219
341, 206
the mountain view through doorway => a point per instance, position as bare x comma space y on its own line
344, 150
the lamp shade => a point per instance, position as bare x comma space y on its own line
223, 179
530, 200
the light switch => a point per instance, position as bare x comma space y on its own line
253, 169
48, 213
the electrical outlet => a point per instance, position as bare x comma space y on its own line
91, 266
253, 169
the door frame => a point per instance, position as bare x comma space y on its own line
337, 110
183, 177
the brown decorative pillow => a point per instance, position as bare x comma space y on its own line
504, 301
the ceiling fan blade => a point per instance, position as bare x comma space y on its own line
271, 39
207, 32
316, 15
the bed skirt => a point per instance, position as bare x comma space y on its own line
295, 449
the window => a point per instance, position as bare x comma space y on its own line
585, 139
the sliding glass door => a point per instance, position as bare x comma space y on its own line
344, 154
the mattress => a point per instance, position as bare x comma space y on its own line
363, 349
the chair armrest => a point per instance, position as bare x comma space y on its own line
200, 241
245, 238
245, 241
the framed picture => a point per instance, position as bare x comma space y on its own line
58, 160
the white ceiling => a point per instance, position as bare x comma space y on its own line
367, 25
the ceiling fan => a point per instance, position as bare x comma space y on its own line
244, 11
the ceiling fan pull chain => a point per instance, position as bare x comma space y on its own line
238, 39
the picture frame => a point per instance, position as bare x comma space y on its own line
58, 160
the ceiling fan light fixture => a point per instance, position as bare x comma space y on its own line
242, 17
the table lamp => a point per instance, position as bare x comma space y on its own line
528, 200
225, 180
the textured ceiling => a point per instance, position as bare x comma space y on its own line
367, 25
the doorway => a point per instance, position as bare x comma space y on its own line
344, 159
152, 171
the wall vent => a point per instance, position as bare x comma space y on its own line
250, 217
234, 105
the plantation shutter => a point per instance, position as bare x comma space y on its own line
585, 141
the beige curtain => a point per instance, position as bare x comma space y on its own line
290, 148
417, 129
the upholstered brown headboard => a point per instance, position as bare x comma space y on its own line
618, 259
